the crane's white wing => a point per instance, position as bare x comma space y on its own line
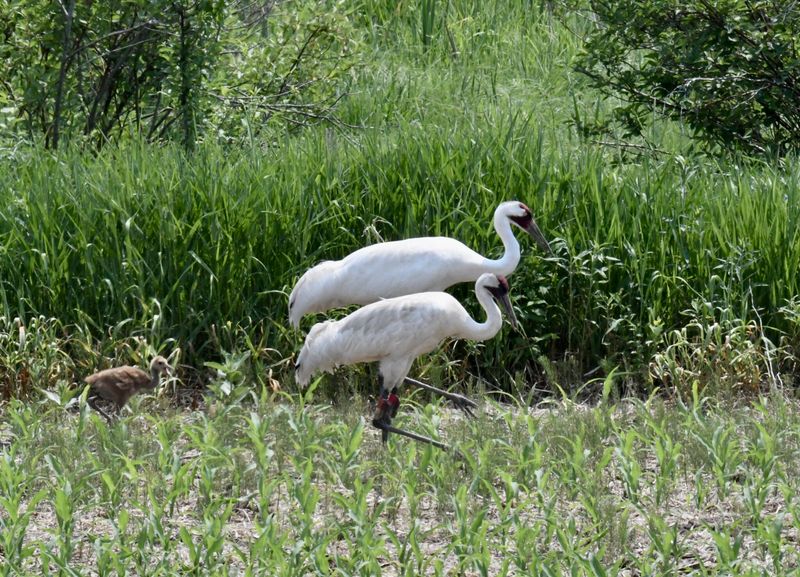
395, 329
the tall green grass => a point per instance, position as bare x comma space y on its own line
150, 243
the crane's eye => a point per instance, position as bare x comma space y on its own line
501, 289
523, 221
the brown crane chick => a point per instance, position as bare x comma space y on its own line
119, 384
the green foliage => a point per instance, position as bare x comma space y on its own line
200, 252
97, 69
729, 70
100, 71
289, 488
284, 66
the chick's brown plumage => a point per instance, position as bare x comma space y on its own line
119, 384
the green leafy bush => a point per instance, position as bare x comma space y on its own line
730, 70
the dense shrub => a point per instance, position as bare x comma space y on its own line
730, 70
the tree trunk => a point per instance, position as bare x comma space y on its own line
185, 95
69, 14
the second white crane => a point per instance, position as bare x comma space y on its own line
396, 331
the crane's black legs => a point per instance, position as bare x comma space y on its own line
388, 403
386, 428
92, 402
460, 401
386, 411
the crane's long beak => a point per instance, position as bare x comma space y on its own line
506, 302
536, 234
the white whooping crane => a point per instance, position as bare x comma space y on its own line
415, 265
396, 331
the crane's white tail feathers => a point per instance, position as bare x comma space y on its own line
309, 294
314, 356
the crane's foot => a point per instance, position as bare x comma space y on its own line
460, 401
464, 404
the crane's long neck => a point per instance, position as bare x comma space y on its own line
506, 264
491, 326
155, 376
